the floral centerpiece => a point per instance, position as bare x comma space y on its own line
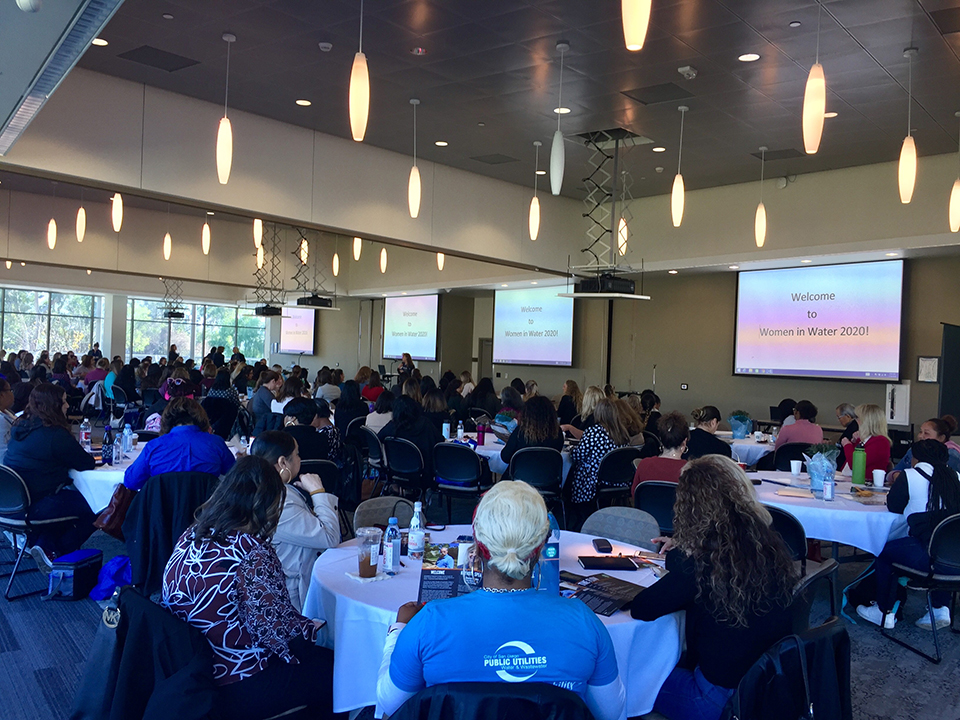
740, 423
821, 464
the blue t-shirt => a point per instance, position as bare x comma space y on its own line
504, 637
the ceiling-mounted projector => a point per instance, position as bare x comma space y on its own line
267, 311
319, 301
174, 314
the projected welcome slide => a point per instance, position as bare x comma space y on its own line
297, 330
410, 326
532, 327
836, 321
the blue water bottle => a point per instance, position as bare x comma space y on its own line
549, 565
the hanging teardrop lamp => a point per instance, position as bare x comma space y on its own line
677, 196
225, 129
955, 197
534, 219
760, 221
81, 220
413, 183
116, 212
357, 248
257, 232
907, 167
814, 100
441, 258
556, 148
359, 97
205, 239
635, 15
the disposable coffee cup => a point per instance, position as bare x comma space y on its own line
446, 431
878, 477
758, 436
795, 466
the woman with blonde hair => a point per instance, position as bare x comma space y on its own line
571, 404
607, 434
734, 577
429, 644
872, 437
588, 404
530, 390
466, 383
363, 376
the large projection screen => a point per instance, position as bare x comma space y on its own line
410, 326
297, 331
831, 321
532, 327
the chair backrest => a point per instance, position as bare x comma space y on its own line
150, 396
791, 531
145, 436
14, 494
504, 701
456, 463
353, 431
119, 396
222, 414
803, 594
538, 466
945, 545
382, 370
775, 413
623, 524
785, 453
403, 457
657, 498
378, 511
477, 413
329, 473
374, 447
652, 446
616, 467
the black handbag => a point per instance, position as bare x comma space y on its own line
74, 575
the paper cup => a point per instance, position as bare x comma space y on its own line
878, 477
795, 466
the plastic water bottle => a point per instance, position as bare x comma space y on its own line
460, 431
107, 450
244, 444
127, 439
118, 450
391, 548
829, 488
549, 565
415, 539
85, 434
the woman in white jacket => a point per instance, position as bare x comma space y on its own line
308, 520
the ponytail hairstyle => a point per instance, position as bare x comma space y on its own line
510, 526
705, 414
944, 487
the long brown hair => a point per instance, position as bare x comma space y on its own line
606, 415
571, 388
247, 500
183, 411
46, 404
538, 421
742, 566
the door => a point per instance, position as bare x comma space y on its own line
485, 358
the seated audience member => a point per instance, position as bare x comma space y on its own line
734, 577
151, 378
571, 403
537, 427
326, 388
674, 435
374, 387
650, 402
94, 376
382, 412
939, 429
804, 428
7, 418
241, 378
301, 419
268, 384
518, 385
350, 406
291, 388
455, 401
61, 376
363, 376
847, 417
430, 644
21, 396
631, 420
926, 494
113, 374
435, 409
511, 408
785, 411
703, 439
85, 366
225, 579
308, 521
42, 450
530, 390
411, 388
584, 419
484, 397
209, 374
185, 444
426, 385
179, 375
608, 433
408, 423
445, 380
872, 437
175, 389
223, 389
397, 388
466, 383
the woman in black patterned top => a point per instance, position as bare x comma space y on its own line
608, 433
225, 579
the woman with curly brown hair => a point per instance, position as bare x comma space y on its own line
732, 574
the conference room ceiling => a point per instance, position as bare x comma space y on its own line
488, 80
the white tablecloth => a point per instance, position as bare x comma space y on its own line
842, 520
358, 616
97, 485
491, 451
748, 450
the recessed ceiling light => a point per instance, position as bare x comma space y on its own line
533, 282
795, 23
659, 148
748, 57
167, 16
441, 143
383, 294
23, 264
806, 261
89, 272
562, 110
99, 42
325, 46
734, 267
541, 172
481, 124
418, 51
892, 254
209, 212
403, 293
503, 285
830, 114
672, 272
304, 103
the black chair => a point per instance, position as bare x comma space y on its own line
150, 396
543, 469
652, 447
334, 481
504, 701
616, 472
459, 473
374, 456
785, 453
118, 403
352, 435
943, 575
657, 498
222, 414
476, 414
145, 436
15, 519
405, 466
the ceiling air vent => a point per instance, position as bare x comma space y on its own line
653, 94
495, 159
787, 154
157, 58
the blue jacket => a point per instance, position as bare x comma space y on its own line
184, 449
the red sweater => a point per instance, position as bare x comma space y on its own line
878, 453
658, 468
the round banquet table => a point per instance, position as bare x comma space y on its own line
843, 520
358, 616
492, 446
748, 450
97, 485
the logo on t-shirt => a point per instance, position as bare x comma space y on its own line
515, 661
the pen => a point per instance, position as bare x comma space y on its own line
775, 482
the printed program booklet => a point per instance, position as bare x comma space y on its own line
441, 576
602, 593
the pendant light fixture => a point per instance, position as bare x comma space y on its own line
907, 170
383, 260
336, 264
676, 198
357, 247
260, 258
116, 212
635, 15
52, 225
225, 131
955, 197
304, 251
441, 258
359, 89
9, 264
81, 220
760, 222
814, 99
167, 246
556, 149
622, 233
534, 219
257, 232
205, 238
413, 184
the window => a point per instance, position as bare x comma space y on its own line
35, 320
